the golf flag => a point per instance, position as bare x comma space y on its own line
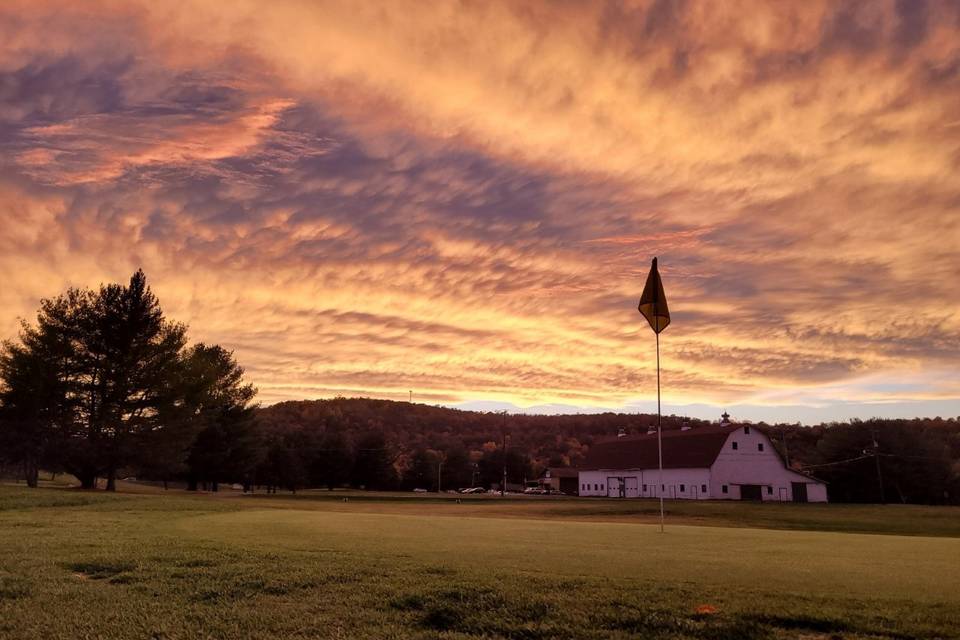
653, 303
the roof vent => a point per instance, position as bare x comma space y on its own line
621, 433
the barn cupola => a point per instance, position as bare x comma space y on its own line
725, 419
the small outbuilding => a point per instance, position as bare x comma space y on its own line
563, 479
716, 462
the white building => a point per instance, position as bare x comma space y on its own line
717, 462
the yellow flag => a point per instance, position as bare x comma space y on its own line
653, 303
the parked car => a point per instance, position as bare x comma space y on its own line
419, 490
473, 490
537, 491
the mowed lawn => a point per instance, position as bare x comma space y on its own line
92, 565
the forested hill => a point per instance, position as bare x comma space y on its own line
920, 458
548, 440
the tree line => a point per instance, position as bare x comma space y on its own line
103, 385
919, 459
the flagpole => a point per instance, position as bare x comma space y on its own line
659, 434
653, 307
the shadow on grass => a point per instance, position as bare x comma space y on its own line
832, 627
487, 612
99, 569
12, 588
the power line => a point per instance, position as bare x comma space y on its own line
903, 455
830, 464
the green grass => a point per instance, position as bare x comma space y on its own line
92, 565
886, 519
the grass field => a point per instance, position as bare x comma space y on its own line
152, 565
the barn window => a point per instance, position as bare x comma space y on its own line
644, 488
683, 488
769, 491
663, 487
734, 443
746, 430
601, 487
759, 446
724, 488
596, 487
703, 488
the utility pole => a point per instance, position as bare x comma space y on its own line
439, 474
503, 485
411, 396
876, 459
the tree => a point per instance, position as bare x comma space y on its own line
216, 407
129, 356
422, 472
492, 463
39, 397
283, 466
457, 468
25, 422
333, 462
373, 464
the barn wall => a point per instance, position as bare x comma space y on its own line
816, 492
747, 465
593, 483
684, 484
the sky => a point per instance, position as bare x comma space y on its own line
461, 199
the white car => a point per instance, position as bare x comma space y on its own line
473, 490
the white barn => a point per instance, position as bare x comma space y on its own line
717, 462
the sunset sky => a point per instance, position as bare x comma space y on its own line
462, 198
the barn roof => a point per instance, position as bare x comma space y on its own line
563, 472
691, 449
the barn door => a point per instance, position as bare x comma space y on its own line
614, 487
751, 492
632, 487
799, 491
